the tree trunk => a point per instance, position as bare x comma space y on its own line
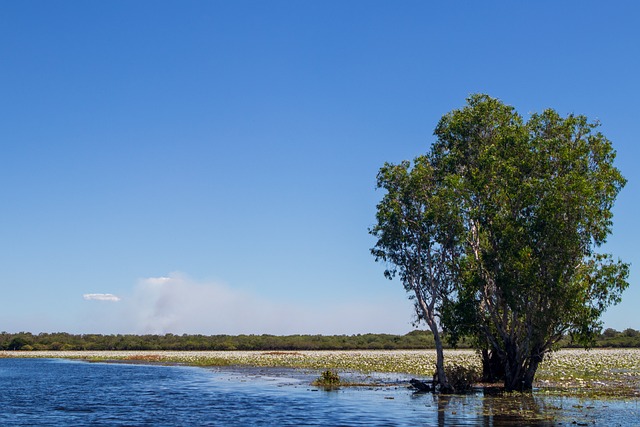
513, 372
492, 366
440, 376
520, 368
534, 362
515, 381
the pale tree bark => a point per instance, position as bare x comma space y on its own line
428, 314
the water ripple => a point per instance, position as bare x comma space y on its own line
46, 392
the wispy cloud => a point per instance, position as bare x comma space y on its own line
179, 304
101, 297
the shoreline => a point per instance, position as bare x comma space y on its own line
351, 379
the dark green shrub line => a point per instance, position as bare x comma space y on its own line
65, 341
413, 340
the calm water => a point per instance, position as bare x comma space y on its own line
44, 392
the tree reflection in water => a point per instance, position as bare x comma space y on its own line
513, 409
491, 409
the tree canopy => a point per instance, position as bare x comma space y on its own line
522, 207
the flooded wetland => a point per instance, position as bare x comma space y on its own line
574, 387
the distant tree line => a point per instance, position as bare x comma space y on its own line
65, 341
26, 341
611, 338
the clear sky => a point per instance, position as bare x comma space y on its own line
209, 166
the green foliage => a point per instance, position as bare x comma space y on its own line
518, 209
462, 378
328, 379
20, 342
535, 202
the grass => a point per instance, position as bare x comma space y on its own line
328, 379
592, 373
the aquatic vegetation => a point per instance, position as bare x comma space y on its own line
412, 362
462, 378
588, 373
596, 372
328, 379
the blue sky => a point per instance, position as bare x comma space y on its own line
210, 165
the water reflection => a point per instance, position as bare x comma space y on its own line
492, 408
513, 409
488, 408
442, 403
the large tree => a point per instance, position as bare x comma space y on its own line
533, 205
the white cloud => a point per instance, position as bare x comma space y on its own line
157, 280
101, 297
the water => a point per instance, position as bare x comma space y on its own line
53, 392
